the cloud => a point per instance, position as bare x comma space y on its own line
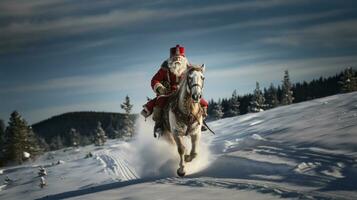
301, 67
115, 81
25, 7
268, 22
237, 6
219, 60
328, 34
290, 19
27, 30
22, 28
19, 9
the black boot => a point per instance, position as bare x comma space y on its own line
157, 129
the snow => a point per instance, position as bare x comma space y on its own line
300, 151
26, 154
2, 187
188, 190
256, 122
257, 137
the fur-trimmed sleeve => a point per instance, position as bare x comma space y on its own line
160, 76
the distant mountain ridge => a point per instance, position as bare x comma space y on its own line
85, 122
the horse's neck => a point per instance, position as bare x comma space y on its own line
183, 98
183, 101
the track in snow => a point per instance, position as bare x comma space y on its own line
117, 165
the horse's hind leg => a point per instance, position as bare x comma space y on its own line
181, 150
194, 150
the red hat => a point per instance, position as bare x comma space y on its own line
178, 50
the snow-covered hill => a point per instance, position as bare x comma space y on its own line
301, 151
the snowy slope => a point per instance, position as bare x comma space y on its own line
301, 151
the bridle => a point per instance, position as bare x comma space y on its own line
195, 85
189, 81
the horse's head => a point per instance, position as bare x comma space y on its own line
195, 81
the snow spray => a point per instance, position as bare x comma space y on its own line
156, 158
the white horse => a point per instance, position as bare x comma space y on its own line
183, 116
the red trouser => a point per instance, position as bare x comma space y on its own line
162, 100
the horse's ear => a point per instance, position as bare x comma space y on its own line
203, 67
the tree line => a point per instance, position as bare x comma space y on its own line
20, 142
284, 94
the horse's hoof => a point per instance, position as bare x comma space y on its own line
180, 173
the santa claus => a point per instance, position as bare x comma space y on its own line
165, 82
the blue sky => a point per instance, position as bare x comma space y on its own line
73, 55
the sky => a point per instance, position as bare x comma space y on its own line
78, 55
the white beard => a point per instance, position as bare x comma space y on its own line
179, 66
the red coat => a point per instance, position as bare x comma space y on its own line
165, 77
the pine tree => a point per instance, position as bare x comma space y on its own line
266, 97
2, 129
272, 97
233, 105
33, 146
2, 132
19, 138
217, 111
287, 93
348, 81
43, 144
100, 137
111, 131
56, 143
128, 124
2, 142
85, 140
257, 103
74, 137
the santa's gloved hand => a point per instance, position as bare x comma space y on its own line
161, 90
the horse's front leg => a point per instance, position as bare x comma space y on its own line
195, 139
181, 150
